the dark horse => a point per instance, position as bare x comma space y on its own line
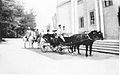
86, 39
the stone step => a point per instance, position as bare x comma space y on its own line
105, 46
107, 43
102, 51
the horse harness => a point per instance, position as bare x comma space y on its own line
89, 37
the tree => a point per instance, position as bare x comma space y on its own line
29, 19
9, 12
13, 20
0, 23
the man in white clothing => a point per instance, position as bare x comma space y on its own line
28, 33
65, 32
60, 33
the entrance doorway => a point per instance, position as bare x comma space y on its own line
119, 15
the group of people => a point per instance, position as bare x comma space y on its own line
60, 32
34, 33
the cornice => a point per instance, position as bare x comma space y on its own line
63, 3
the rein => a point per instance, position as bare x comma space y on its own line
89, 37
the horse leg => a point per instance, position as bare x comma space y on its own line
32, 43
71, 48
78, 49
74, 48
29, 44
39, 43
86, 50
91, 50
24, 44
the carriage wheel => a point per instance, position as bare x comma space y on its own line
43, 49
52, 48
43, 46
60, 49
70, 50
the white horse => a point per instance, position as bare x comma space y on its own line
37, 39
31, 39
26, 40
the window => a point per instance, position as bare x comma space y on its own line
92, 18
81, 22
79, 1
108, 3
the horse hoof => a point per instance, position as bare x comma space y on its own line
60, 53
91, 55
72, 54
38, 48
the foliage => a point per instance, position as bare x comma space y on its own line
13, 20
29, 19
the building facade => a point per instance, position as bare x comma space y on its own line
86, 15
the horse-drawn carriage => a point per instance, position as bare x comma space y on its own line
55, 44
50, 42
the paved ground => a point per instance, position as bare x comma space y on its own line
14, 59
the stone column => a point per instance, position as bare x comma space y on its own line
76, 17
101, 17
97, 12
73, 16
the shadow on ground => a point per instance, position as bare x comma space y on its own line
66, 55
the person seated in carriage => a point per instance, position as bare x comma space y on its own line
48, 31
64, 32
60, 33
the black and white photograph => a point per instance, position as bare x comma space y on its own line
59, 37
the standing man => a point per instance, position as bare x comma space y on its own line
28, 33
36, 34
